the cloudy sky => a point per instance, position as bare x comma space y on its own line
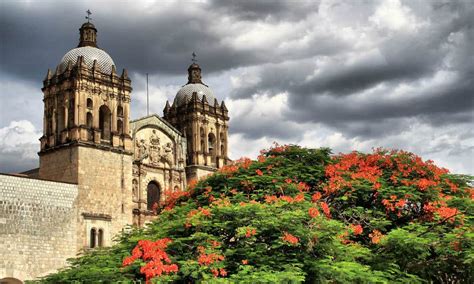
350, 75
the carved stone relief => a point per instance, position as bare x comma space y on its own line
154, 148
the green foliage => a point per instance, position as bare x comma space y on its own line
390, 218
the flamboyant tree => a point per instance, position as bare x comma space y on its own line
302, 215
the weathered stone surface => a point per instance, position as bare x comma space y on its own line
37, 226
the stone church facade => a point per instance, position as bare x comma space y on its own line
99, 171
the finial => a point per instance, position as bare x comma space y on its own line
167, 107
88, 17
194, 60
124, 74
48, 75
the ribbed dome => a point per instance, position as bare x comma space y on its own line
104, 61
186, 92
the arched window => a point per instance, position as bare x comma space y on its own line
104, 122
119, 126
93, 234
89, 103
90, 134
152, 195
202, 135
49, 125
211, 143
100, 239
61, 120
89, 119
119, 111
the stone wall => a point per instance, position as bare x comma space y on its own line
37, 226
59, 165
105, 193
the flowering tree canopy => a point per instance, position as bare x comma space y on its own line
302, 215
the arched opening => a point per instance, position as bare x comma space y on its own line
10, 280
61, 120
211, 143
100, 239
89, 119
93, 235
152, 195
119, 126
104, 123
70, 115
90, 134
202, 135
119, 111
89, 103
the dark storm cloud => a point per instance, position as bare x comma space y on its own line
157, 42
268, 10
338, 65
332, 95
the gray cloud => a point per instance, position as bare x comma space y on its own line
356, 72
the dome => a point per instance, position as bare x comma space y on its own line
88, 25
186, 92
104, 61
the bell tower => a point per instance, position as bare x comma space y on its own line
203, 121
86, 137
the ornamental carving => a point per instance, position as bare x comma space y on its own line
153, 151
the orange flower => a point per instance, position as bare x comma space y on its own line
375, 236
287, 237
215, 272
316, 196
155, 254
303, 187
325, 208
259, 172
250, 232
313, 212
245, 262
357, 229
206, 259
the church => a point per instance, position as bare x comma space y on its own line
98, 170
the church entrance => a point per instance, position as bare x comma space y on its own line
152, 195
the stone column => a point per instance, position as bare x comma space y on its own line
126, 118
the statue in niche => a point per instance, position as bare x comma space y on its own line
135, 189
180, 153
155, 148
142, 149
137, 149
168, 155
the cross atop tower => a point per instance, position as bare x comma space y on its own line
88, 17
194, 60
